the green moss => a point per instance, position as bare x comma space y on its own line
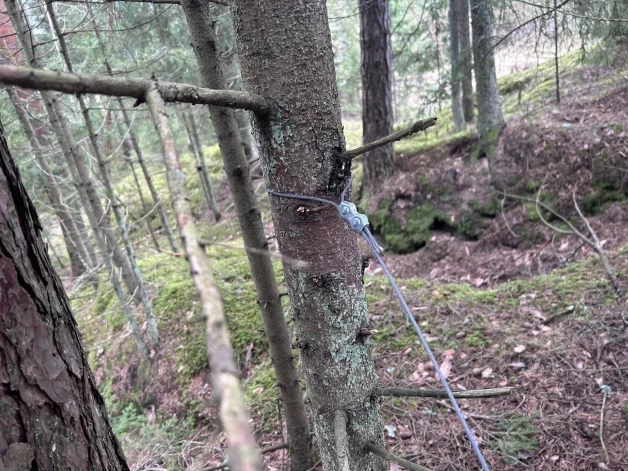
489, 209
603, 194
470, 224
518, 435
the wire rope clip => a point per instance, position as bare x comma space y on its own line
357, 221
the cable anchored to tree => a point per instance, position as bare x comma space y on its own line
359, 223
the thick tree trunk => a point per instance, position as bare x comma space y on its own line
286, 55
466, 58
115, 205
454, 50
237, 169
52, 415
377, 115
243, 455
79, 258
490, 119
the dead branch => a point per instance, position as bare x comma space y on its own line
243, 453
593, 241
129, 87
395, 459
421, 125
471, 394
342, 442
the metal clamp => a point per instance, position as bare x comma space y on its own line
348, 211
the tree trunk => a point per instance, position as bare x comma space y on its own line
287, 57
79, 258
454, 49
377, 116
80, 173
243, 455
52, 415
466, 58
126, 151
490, 119
237, 169
195, 146
115, 205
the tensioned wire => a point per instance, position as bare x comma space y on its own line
377, 251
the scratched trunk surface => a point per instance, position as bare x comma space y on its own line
51, 413
285, 53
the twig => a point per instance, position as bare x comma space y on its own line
471, 394
395, 459
606, 390
551, 319
593, 241
416, 127
342, 442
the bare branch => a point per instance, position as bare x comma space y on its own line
342, 442
395, 459
129, 87
416, 127
471, 394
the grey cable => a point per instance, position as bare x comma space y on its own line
366, 233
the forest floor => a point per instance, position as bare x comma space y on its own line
503, 299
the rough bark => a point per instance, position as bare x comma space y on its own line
115, 205
490, 119
454, 51
195, 147
128, 87
377, 115
243, 455
466, 59
79, 171
51, 413
237, 169
286, 55
79, 258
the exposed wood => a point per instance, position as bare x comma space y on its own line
39, 79
243, 454
342, 442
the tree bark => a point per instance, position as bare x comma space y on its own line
237, 169
377, 115
286, 55
466, 59
243, 454
115, 205
52, 415
490, 119
79, 258
454, 50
